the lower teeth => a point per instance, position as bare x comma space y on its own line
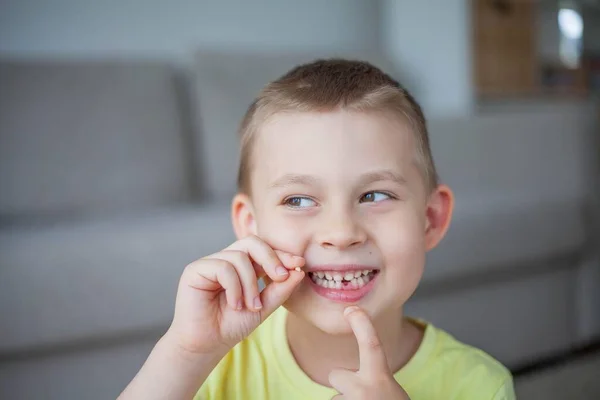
355, 283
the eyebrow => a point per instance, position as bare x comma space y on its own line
365, 179
383, 175
294, 179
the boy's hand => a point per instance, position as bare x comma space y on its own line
218, 303
373, 380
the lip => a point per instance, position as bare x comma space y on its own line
341, 295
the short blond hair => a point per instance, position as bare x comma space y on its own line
328, 85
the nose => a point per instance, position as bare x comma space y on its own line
340, 230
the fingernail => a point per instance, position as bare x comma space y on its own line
238, 306
350, 310
257, 302
281, 271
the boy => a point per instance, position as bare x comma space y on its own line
338, 203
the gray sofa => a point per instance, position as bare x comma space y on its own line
115, 174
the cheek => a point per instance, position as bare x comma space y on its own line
401, 240
283, 233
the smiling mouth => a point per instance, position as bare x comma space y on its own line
343, 284
349, 280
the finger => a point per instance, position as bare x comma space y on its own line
276, 293
247, 276
344, 381
290, 261
213, 275
266, 258
372, 357
295, 262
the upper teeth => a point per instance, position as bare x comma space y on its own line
347, 281
338, 276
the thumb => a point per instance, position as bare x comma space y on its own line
276, 293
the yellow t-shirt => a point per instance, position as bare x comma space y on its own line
262, 367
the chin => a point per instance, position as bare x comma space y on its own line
327, 316
329, 321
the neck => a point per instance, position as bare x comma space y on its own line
318, 352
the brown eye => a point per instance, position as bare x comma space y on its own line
374, 197
368, 197
294, 201
299, 202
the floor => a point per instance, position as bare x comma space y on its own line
575, 380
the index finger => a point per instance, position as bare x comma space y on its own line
266, 260
372, 356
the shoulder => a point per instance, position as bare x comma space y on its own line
467, 358
468, 372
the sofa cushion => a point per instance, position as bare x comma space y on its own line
544, 151
85, 137
89, 280
226, 85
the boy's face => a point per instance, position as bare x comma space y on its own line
342, 189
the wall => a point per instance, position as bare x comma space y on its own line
429, 41
79, 28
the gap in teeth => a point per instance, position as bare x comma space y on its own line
352, 277
355, 282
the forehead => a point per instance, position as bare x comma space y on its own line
334, 144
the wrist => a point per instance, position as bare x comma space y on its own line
179, 351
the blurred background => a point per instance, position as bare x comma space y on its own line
118, 155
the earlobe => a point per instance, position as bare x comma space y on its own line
439, 214
242, 216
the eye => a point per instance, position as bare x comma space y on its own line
299, 202
374, 197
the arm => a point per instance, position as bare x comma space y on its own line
170, 372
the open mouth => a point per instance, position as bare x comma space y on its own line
348, 286
343, 280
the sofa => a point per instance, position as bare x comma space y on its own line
115, 174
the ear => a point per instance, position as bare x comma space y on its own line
438, 215
242, 216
